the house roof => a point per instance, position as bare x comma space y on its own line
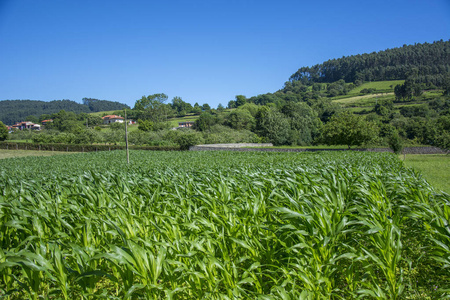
49, 120
112, 117
23, 123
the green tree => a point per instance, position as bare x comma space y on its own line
348, 129
304, 122
153, 108
187, 138
446, 85
205, 121
384, 108
94, 120
32, 119
181, 107
251, 107
150, 102
145, 125
117, 126
240, 119
272, 125
442, 141
206, 107
240, 100
395, 142
220, 107
231, 104
3, 131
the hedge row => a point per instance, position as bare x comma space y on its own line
80, 148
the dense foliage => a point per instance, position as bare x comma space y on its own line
430, 61
96, 105
12, 111
3, 132
308, 110
210, 225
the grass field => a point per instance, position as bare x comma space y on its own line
380, 86
20, 141
24, 153
103, 113
434, 167
357, 103
188, 118
221, 225
365, 100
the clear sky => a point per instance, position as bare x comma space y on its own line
202, 51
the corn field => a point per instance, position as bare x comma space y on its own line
221, 225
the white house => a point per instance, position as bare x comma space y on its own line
188, 124
26, 125
109, 119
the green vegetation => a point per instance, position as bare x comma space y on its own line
220, 225
386, 86
426, 61
3, 132
321, 147
348, 129
404, 90
12, 111
23, 153
104, 113
435, 168
188, 118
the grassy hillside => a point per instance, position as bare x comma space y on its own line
103, 113
188, 118
384, 91
380, 86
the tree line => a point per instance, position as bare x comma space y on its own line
429, 61
301, 113
12, 111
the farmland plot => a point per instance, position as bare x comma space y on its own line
220, 225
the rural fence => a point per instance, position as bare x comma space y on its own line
79, 148
212, 147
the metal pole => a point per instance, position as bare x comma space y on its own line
126, 137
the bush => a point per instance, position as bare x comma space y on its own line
219, 134
367, 91
395, 142
442, 141
187, 138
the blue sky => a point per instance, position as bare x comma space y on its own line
202, 51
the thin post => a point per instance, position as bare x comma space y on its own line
126, 137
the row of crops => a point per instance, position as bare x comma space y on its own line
220, 225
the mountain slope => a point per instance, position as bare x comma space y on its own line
427, 62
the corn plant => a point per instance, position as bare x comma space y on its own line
221, 225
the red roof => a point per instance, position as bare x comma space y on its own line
112, 117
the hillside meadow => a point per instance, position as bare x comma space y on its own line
221, 225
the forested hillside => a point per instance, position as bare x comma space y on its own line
428, 62
346, 101
12, 111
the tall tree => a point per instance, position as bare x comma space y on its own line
240, 119
153, 108
305, 124
240, 100
3, 131
272, 125
348, 129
